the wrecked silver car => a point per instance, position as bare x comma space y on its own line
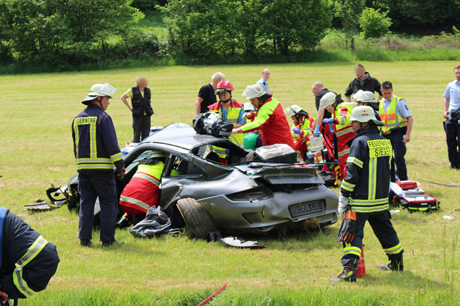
246, 194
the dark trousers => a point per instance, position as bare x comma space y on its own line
452, 129
399, 149
141, 127
383, 229
92, 185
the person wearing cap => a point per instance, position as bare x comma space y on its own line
97, 153
229, 109
143, 190
397, 117
141, 108
302, 128
264, 80
363, 81
367, 98
270, 118
252, 140
338, 124
365, 191
206, 95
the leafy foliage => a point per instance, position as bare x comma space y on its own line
374, 23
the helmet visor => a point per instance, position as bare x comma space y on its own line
220, 91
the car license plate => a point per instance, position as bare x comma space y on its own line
301, 209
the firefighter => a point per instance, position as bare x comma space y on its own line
252, 140
96, 151
28, 261
141, 108
143, 190
302, 128
339, 124
270, 118
398, 121
367, 98
365, 191
229, 110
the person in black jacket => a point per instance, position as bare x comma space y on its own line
319, 91
365, 191
141, 108
206, 95
28, 261
97, 153
363, 81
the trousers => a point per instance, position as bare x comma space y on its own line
399, 148
452, 129
383, 229
91, 185
141, 127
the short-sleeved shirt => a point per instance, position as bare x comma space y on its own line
263, 83
209, 97
453, 94
129, 93
401, 108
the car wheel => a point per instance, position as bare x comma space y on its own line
199, 221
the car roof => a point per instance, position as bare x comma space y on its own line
183, 136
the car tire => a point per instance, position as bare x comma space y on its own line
198, 220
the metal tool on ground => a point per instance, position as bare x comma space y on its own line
40, 205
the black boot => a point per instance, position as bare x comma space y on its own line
348, 274
123, 222
85, 242
396, 264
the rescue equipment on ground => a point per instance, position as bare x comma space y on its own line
410, 196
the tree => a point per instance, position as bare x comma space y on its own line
373, 23
349, 11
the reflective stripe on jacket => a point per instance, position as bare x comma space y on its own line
306, 129
233, 114
391, 118
368, 172
95, 141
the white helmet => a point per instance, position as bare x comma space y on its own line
364, 96
364, 113
248, 107
254, 91
99, 90
328, 99
292, 110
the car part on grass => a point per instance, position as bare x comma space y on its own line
40, 205
213, 295
238, 243
197, 218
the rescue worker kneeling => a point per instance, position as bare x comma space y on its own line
302, 129
365, 191
142, 191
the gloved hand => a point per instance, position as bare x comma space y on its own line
120, 173
343, 204
310, 155
296, 130
329, 120
316, 133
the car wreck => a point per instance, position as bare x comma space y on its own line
248, 194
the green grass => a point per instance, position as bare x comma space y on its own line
36, 113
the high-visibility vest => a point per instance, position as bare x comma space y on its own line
142, 191
31, 253
391, 118
232, 116
306, 129
343, 114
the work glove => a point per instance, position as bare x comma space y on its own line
296, 130
329, 120
343, 204
316, 133
120, 173
310, 155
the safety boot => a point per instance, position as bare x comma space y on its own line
348, 274
396, 264
85, 243
123, 222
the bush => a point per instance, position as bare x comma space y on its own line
373, 23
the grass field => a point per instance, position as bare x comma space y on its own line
36, 112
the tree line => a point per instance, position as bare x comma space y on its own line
75, 32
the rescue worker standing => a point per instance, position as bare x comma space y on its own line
363, 81
340, 125
452, 116
96, 151
28, 261
302, 128
270, 118
141, 108
228, 109
365, 191
398, 121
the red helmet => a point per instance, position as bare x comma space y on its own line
224, 86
